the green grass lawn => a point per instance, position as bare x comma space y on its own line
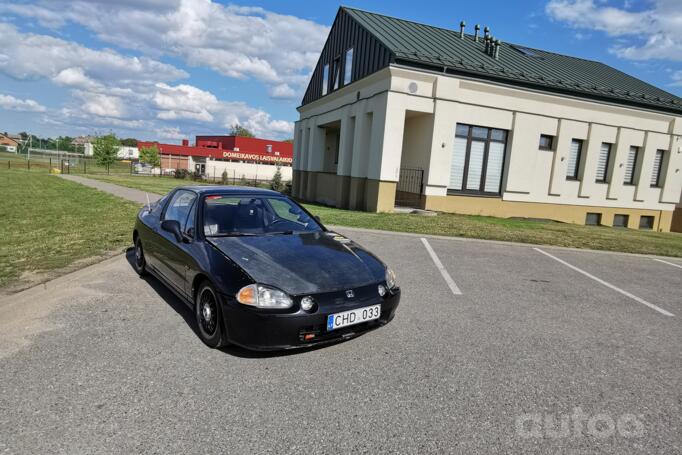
47, 224
480, 227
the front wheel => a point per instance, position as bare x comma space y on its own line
139, 262
208, 316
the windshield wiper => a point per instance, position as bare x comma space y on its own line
234, 234
281, 233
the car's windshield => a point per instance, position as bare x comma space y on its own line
229, 215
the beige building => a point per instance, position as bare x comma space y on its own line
399, 113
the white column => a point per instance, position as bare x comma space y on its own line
387, 140
361, 140
346, 145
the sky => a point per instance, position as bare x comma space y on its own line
171, 69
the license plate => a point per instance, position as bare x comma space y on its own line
352, 317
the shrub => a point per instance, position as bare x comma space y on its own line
196, 175
181, 173
277, 184
223, 177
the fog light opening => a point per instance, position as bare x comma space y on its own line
307, 303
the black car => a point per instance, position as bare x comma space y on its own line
259, 270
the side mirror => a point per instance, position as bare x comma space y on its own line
173, 227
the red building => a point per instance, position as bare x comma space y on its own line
230, 148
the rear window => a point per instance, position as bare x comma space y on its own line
227, 215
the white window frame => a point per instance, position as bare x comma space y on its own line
605, 160
632, 171
325, 79
348, 67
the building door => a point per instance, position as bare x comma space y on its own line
200, 168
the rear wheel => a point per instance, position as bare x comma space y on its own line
209, 317
139, 261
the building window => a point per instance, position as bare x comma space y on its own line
631, 165
646, 222
348, 67
656, 172
337, 73
603, 162
574, 159
620, 220
325, 79
477, 160
268, 148
546, 142
593, 219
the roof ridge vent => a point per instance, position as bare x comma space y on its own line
461, 29
476, 29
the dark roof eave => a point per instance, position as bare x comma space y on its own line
449, 70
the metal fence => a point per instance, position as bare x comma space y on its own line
410, 186
67, 163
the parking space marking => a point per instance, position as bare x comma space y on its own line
669, 263
443, 271
607, 284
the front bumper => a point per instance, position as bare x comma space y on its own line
264, 330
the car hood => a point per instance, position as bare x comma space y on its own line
305, 263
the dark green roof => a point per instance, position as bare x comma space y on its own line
425, 46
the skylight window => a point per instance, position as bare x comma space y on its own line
527, 52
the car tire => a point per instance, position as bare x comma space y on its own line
209, 316
139, 261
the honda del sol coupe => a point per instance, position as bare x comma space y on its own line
259, 271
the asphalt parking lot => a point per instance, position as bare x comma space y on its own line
575, 352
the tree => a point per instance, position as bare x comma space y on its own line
129, 142
289, 140
223, 177
105, 150
238, 130
277, 184
150, 156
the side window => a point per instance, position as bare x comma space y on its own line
180, 206
188, 228
282, 209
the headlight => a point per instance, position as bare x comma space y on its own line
390, 278
263, 297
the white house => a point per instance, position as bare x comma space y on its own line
403, 113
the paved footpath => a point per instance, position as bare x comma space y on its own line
121, 191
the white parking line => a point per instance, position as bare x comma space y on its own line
608, 285
669, 263
439, 265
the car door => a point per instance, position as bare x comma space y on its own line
172, 255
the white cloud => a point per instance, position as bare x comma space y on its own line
677, 79
111, 90
15, 104
35, 56
184, 101
282, 91
191, 103
239, 42
649, 33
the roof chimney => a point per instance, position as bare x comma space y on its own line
487, 44
497, 49
492, 46
461, 29
486, 31
476, 28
